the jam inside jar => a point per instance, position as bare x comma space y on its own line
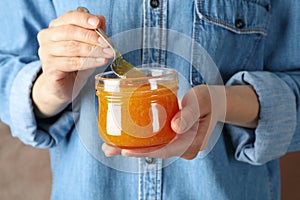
137, 112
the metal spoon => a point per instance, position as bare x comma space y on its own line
119, 65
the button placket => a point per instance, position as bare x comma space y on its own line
154, 43
154, 36
150, 178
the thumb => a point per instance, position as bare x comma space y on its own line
185, 118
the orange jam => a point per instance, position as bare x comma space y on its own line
137, 113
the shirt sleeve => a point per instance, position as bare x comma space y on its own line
42, 133
278, 91
278, 95
19, 66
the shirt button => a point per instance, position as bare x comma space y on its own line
149, 160
239, 23
154, 3
268, 7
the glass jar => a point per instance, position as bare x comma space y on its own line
137, 112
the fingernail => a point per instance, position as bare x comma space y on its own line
107, 151
125, 153
109, 154
100, 60
93, 21
180, 125
108, 51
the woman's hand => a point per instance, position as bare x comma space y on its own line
202, 107
193, 124
67, 46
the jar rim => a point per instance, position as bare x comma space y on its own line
154, 76
166, 73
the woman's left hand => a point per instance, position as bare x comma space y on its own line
193, 124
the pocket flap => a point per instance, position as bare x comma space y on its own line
239, 16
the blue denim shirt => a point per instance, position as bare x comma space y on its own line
250, 42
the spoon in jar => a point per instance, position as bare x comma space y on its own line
119, 65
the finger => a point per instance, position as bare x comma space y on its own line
177, 147
71, 64
75, 48
68, 33
141, 153
171, 150
82, 19
110, 150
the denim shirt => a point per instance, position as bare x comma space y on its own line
249, 42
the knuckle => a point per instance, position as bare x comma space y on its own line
62, 19
67, 14
67, 29
53, 23
71, 47
86, 48
75, 63
89, 35
41, 35
61, 33
91, 48
194, 113
93, 51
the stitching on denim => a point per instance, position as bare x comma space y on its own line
156, 178
250, 54
270, 183
160, 26
230, 27
256, 3
194, 33
226, 25
55, 161
158, 172
57, 153
247, 60
140, 179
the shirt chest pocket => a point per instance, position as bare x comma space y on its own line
231, 31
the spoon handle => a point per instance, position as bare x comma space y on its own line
101, 33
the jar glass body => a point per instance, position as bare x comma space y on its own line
137, 112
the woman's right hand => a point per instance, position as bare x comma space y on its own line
67, 46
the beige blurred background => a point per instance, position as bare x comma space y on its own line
25, 171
